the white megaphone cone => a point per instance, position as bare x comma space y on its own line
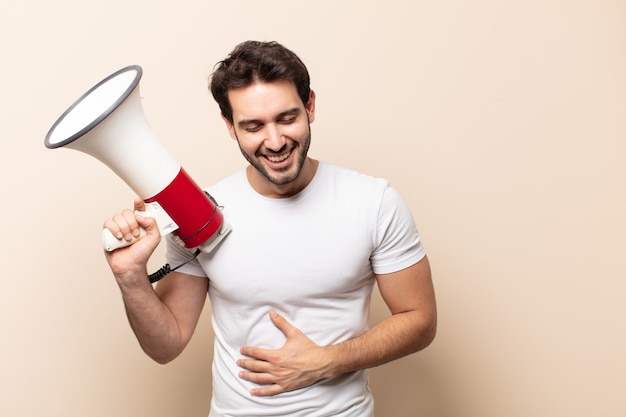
108, 123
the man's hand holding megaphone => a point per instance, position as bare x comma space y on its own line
131, 261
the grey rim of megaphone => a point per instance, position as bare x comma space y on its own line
104, 114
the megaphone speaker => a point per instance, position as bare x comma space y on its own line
108, 123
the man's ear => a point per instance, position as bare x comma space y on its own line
310, 107
230, 127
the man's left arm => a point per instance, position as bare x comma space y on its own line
410, 296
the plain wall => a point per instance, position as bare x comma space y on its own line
503, 124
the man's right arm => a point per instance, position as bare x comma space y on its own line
162, 318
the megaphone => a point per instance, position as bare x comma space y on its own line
108, 123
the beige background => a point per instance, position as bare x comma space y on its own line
503, 123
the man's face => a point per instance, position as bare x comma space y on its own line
271, 126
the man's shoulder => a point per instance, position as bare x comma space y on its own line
231, 180
350, 177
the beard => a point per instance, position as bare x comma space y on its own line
282, 177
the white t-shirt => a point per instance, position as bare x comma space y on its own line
312, 258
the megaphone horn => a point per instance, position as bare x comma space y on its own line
108, 123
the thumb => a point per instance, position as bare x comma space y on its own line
282, 324
140, 205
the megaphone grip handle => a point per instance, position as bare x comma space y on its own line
110, 242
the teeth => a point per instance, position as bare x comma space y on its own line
279, 158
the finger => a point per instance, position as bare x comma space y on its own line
254, 365
133, 225
258, 378
113, 227
119, 226
267, 390
256, 353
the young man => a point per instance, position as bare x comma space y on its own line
290, 286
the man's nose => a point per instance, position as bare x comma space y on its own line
274, 140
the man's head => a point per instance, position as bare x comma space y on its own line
254, 61
264, 95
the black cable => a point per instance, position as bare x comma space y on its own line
166, 268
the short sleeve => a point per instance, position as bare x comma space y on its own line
397, 243
177, 255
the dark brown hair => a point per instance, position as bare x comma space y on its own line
253, 61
